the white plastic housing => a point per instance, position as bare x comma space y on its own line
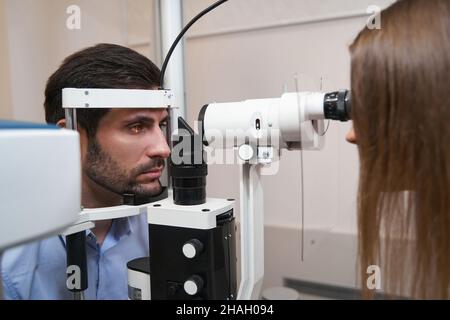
40, 185
140, 283
115, 98
290, 121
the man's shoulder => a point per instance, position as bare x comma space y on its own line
17, 264
20, 264
24, 259
20, 259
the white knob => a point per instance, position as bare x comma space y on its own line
192, 248
193, 285
245, 152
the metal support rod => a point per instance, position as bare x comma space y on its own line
76, 243
71, 119
171, 23
77, 274
252, 232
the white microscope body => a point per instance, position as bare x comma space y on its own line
259, 129
40, 186
40, 182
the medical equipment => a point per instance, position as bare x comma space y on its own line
192, 237
36, 201
33, 157
195, 224
259, 129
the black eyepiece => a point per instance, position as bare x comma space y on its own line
338, 105
188, 169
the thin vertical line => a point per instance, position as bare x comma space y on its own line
301, 172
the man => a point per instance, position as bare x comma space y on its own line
122, 151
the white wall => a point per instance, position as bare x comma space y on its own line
38, 40
5, 87
28, 33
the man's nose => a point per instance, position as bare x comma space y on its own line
159, 147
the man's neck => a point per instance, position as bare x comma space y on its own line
95, 196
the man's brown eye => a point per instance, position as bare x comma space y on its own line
137, 128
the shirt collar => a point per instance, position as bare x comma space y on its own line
120, 227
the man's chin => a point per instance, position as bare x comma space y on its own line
148, 189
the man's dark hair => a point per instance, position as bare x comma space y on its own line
106, 66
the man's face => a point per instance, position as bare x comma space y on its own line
128, 152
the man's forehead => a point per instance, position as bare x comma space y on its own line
154, 113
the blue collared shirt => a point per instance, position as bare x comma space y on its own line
38, 270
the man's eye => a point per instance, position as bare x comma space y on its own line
163, 125
136, 128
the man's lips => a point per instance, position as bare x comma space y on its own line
153, 173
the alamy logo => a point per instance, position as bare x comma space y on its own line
374, 278
374, 21
73, 277
73, 22
261, 144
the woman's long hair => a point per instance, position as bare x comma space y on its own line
400, 78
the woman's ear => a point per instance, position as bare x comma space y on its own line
61, 123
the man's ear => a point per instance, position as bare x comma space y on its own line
61, 123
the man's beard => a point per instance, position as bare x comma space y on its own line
101, 168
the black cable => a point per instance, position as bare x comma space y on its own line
185, 29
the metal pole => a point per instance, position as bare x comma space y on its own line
78, 295
76, 243
171, 24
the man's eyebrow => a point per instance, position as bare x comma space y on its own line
139, 118
143, 118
